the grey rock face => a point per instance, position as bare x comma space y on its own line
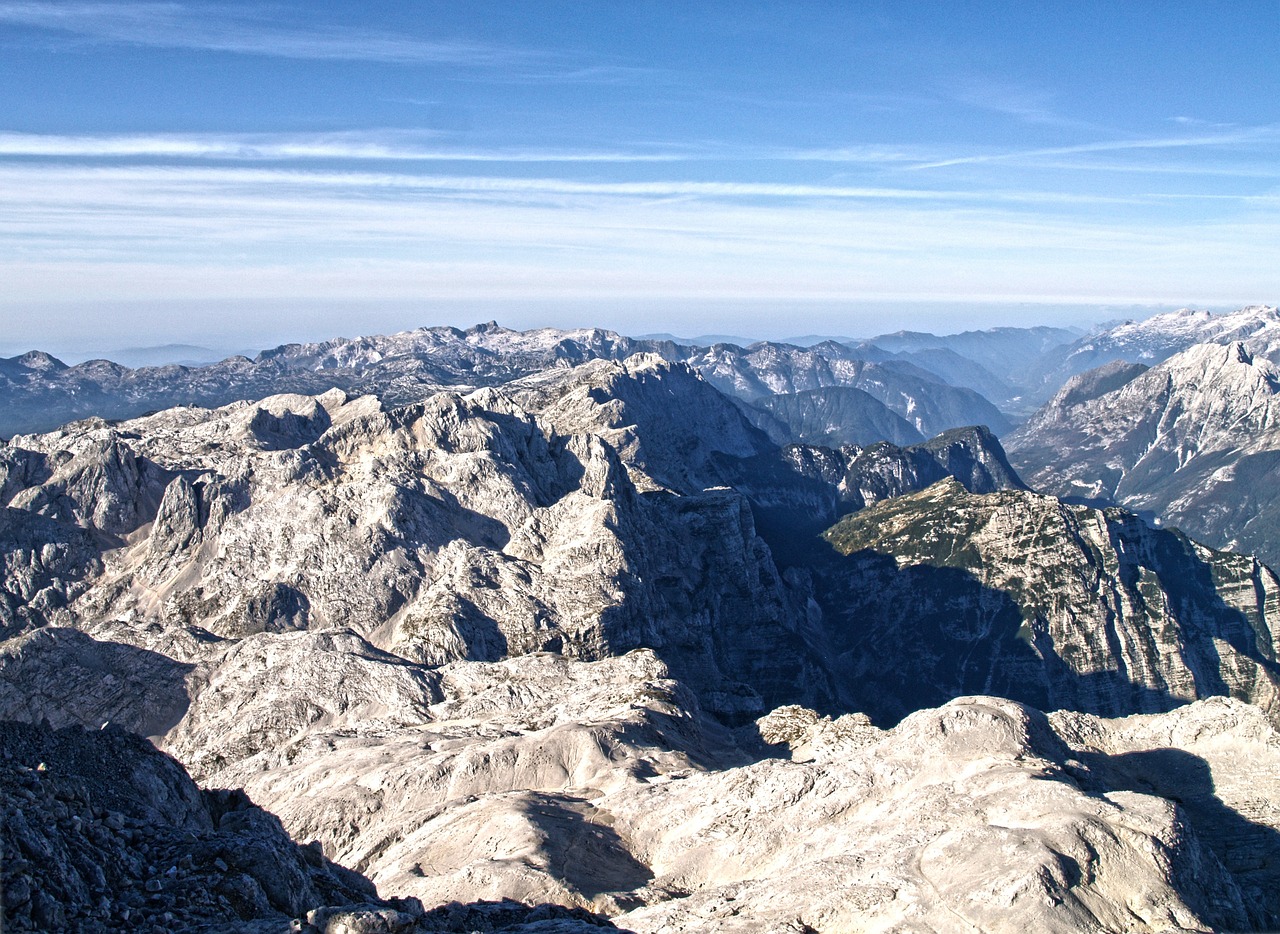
44, 565
1060, 606
64, 677
464, 527
1194, 440
833, 417
104, 833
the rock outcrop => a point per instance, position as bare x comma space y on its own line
943, 591
103, 833
464, 527
1194, 441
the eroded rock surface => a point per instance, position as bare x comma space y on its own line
1194, 440
102, 832
1017, 593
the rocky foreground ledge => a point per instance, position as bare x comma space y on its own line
979, 815
102, 832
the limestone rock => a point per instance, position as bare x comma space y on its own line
945, 591
103, 833
1194, 440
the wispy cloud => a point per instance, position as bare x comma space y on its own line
184, 26
371, 183
415, 145
116, 232
391, 146
1023, 104
1234, 137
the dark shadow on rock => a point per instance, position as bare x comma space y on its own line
288, 430
1249, 851
65, 677
917, 636
706, 742
60, 558
481, 633
275, 607
104, 832
508, 915
424, 518
703, 593
583, 851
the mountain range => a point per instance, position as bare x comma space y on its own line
564, 631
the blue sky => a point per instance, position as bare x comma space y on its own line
242, 173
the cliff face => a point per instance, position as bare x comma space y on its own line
944, 592
1194, 440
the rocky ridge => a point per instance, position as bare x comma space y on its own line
405, 368
1155, 339
1194, 440
943, 592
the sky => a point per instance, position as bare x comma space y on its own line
238, 174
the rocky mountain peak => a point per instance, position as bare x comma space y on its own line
1099, 381
39, 361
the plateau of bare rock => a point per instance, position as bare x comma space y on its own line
1193, 440
603, 788
1215, 759
943, 592
972, 816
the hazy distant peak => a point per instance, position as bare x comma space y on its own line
39, 360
